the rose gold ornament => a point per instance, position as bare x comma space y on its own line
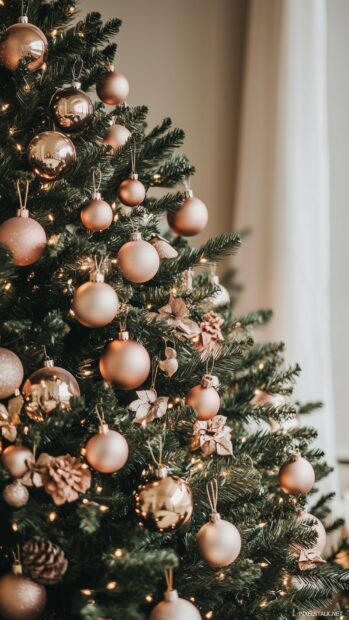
23, 41
97, 215
16, 459
138, 261
71, 108
95, 303
113, 88
204, 398
24, 237
296, 475
131, 191
11, 372
107, 452
47, 389
20, 597
174, 608
163, 247
51, 154
191, 218
15, 494
125, 363
117, 136
305, 517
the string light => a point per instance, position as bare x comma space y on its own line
52, 516
4, 107
149, 598
263, 604
203, 260
7, 286
111, 585
86, 592
54, 32
104, 508
51, 217
209, 614
14, 527
263, 524
118, 553
99, 489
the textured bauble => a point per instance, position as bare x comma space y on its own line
47, 389
117, 136
24, 237
174, 608
43, 561
107, 452
113, 88
51, 154
16, 460
71, 108
297, 476
95, 303
305, 517
15, 494
21, 598
131, 191
204, 398
138, 261
97, 214
191, 218
23, 41
11, 372
164, 504
219, 542
125, 363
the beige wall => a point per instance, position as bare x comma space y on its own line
183, 59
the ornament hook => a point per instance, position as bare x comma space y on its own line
169, 579
212, 494
23, 198
97, 186
77, 74
158, 462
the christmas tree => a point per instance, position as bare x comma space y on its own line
152, 444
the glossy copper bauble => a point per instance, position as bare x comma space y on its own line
51, 154
71, 108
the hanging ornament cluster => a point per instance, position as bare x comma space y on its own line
23, 42
173, 607
117, 136
296, 475
177, 315
106, 452
47, 389
97, 215
212, 436
204, 398
131, 191
310, 558
21, 598
51, 154
191, 218
95, 303
43, 561
24, 237
125, 363
137, 260
113, 88
11, 372
163, 247
71, 108
219, 541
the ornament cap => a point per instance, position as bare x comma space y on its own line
134, 176
103, 429
209, 381
215, 517
171, 595
215, 279
76, 84
123, 335
97, 276
23, 213
110, 68
49, 363
17, 568
23, 19
188, 193
97, 196
136, 236
162, 472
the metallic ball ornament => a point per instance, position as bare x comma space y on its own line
204, 398
138, 260
24, 237
71, 108
191, 218
15, 494
125, 363
47, 389
11, 372
97, 215
23, 41
219, 542
113, 88
51, 154
296, 475
95, 303
164, 504
16, 459
174, 608
107, 452
117, 136
131, 191
20, 597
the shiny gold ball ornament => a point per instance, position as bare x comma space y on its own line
24, 237
71, 108
113, 88
20, 597
23, 41
117, 136
125, 363
47, 389
131, 191
219, 542
296, 475
16, 460
15, 494
191, 218
95, 303
107, 452
97, 215
11, 372
204, 398
138, 260
164, 504
51, 155
174, 608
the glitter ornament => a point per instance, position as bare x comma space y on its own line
204, 398
296, 475
138, 261
191, 218
11, 372
17, 460
71, 108
125, 363
113, 88
117, 136
20, 597
24, 237
23, 41
95, 303
107, 452
15, 494
51, 155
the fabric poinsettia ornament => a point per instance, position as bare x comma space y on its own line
176, 314
212, 436
148, 406
210, 334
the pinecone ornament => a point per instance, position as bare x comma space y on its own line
210, 335
43, 561
64, 477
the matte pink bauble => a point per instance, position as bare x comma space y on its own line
125, 363
97, 215
11, 372
20, 597
113, 88
191, 218
107, 452
95, 303
24, 237
297, 476
138, 261
219, 542
174, 608
117, 136
131, 191
16, 459
204, 398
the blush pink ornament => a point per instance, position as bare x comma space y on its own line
125, 363
138, 261
117, 136
204, 398
95, 303
107, 452
97, 215
11, 372
113, 88
191, 218
296, 475
24, 237
131, 191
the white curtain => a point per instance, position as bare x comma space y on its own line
283, 191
